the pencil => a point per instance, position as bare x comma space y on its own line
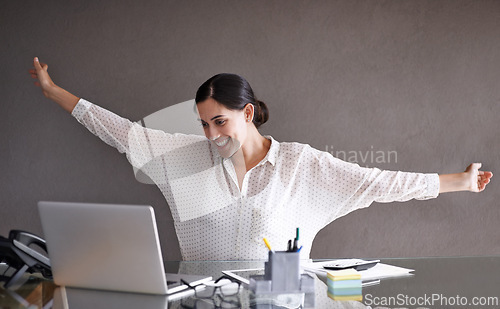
267, 244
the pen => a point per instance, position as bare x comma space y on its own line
296, 241
267, 244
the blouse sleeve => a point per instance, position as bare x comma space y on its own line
348, 186
141, 145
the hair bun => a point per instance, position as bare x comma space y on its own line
261, 114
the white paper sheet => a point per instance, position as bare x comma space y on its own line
379, 271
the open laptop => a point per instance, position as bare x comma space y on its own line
108, 247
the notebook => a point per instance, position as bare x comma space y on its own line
108, 247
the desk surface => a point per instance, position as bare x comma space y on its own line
441, 282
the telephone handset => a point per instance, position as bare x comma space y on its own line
17, 252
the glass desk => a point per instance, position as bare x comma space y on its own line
441, 282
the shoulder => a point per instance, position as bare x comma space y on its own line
190, 141
303, 151
178, 143
304, 157
190, 137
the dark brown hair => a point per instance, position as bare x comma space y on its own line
234, 92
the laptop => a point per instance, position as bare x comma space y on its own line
108, 247
75, 298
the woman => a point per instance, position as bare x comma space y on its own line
229, 190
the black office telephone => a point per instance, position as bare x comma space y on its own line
16, 253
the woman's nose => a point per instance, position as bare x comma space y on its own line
212, 133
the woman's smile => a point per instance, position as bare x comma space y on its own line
221, 142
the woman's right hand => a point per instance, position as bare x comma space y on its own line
40, 73
50, 90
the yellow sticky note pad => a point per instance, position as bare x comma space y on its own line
344, 274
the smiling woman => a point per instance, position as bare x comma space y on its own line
231, 188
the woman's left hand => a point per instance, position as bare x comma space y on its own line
477, 179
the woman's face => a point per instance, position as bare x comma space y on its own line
224, 127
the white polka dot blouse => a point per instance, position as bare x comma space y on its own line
294, 186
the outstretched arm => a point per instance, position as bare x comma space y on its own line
50, 90
471, 180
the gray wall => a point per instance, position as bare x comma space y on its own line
419, 78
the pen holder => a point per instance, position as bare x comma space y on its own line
282, 280
283, 270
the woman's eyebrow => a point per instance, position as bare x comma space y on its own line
218, 116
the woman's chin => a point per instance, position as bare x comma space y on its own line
228, 150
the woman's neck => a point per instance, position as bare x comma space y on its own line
250, 154
255, 148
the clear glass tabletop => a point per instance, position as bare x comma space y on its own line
436, 282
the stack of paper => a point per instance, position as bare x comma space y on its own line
379, 271
344, 285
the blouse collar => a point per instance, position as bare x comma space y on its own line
271, 155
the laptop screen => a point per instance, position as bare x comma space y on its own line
104, 246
